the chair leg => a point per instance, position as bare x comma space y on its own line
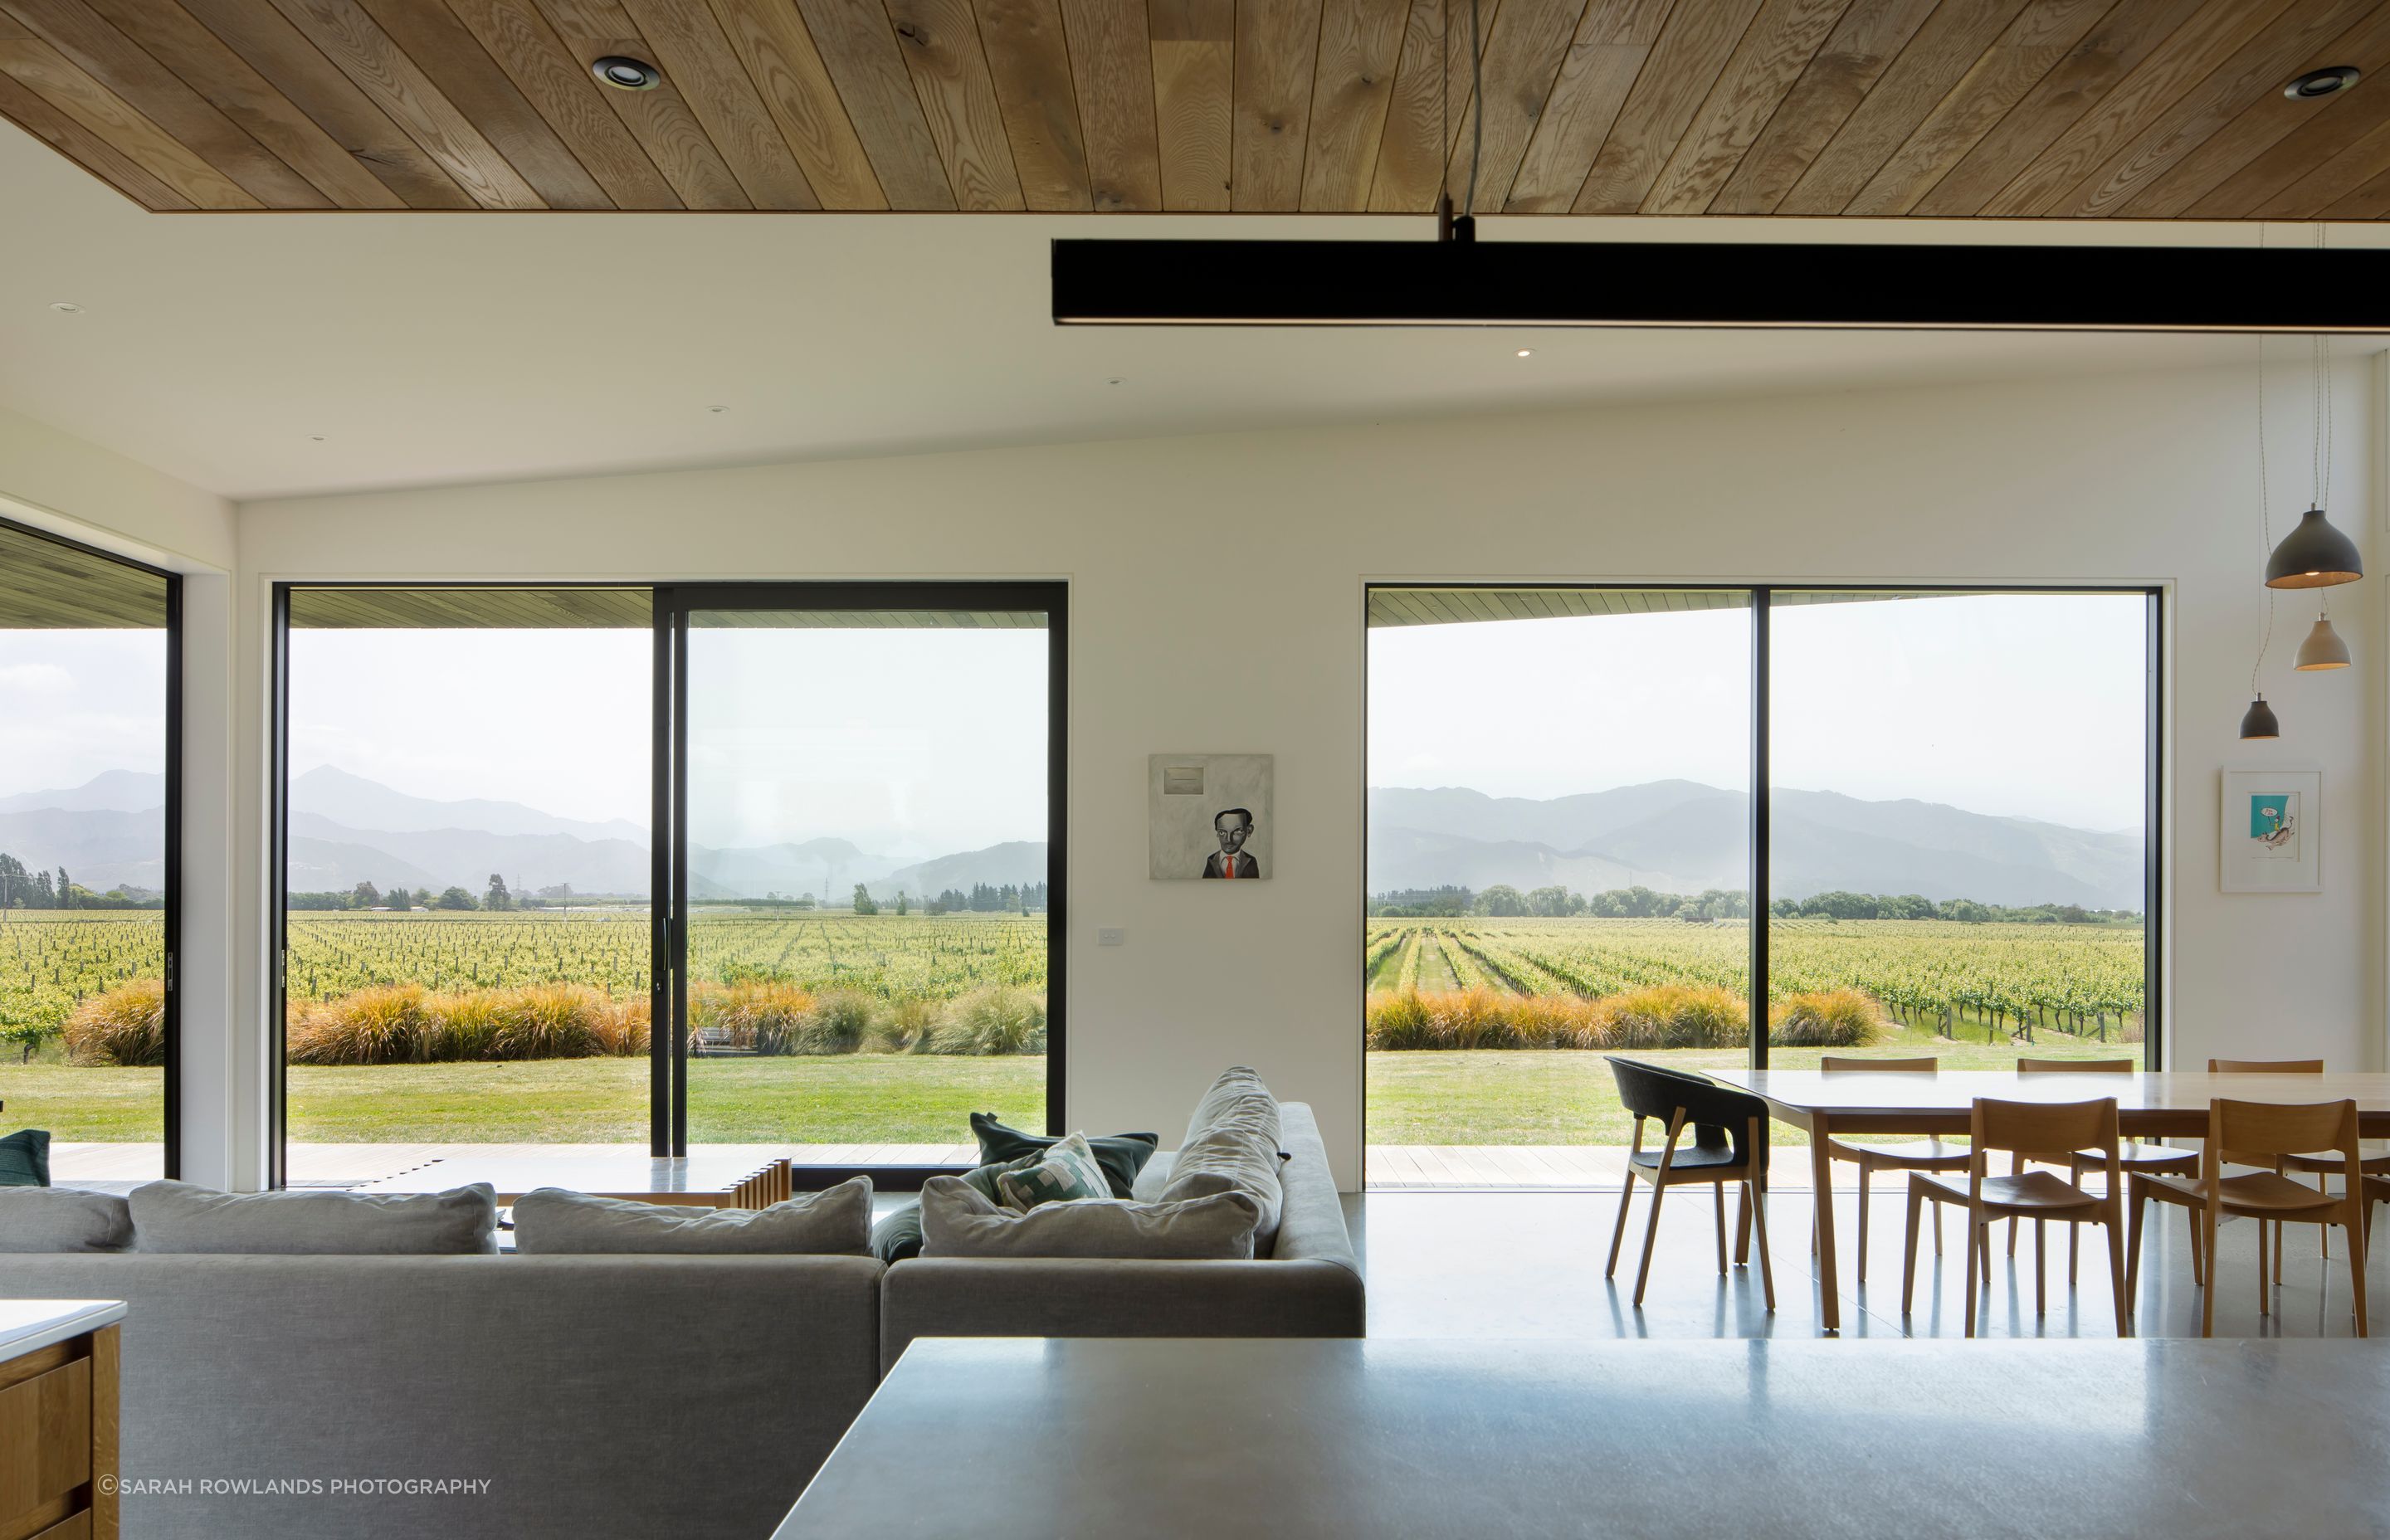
1978, 1245
2198, 1249
1863, 1218
2137, 1205
1618, 1231
2016, 1168
2207, 1295
2265, 1295
1650, 1237
1754, 1207
1909, 1264
2357, 1244
2041, 1274
2277, 1252
2116, 1274
1718, 1212
1741, 1226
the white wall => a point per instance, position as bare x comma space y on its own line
2127, 477
54, 482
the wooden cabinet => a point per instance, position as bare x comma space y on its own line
58, 1425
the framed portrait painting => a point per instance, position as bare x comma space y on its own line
1209, 816
2271, 840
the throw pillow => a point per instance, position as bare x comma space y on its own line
177, 1216
834, 1221
897, 1237
1120, 1155
1238, 1094
25, 1158
956, 1221
1064, 1174
62, 1219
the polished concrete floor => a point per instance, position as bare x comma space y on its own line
1529, 1264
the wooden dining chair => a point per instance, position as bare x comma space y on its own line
2253, 1133
1729, 1143
1933, 1154
2023, 1127
2132, 1155
2305, 1165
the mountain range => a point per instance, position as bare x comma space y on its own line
346, 830
1674, 836
1682, 836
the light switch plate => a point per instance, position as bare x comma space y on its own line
1110, 935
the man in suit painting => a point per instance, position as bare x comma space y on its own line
1233, 828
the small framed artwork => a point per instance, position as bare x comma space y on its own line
2271, 840
1209, 816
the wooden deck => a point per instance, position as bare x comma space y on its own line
1457, 1167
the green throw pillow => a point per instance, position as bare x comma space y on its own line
1121, 1155
898, 1236
25, 1158
1063, 1174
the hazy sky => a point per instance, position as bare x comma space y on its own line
2029, 705
78, 702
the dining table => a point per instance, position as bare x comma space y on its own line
2152, 1104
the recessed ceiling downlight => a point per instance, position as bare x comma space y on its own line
625, 73
2327, 82
66, 307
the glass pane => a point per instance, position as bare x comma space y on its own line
868, 880
83, 858
468, 878
1567, 876
1957, 828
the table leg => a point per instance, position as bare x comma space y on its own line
1830, 1303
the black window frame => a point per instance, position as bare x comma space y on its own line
170, 925
668, 903
1759, 599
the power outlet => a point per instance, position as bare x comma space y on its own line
1112, 935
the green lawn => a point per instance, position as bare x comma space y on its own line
879, 1099
1477, 1097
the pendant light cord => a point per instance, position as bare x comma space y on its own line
2265, 509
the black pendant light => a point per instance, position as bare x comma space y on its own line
2258, 721
2313, 556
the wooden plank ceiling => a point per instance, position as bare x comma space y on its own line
2014, 109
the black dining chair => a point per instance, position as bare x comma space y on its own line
1729, 1144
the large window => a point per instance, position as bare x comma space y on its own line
1952, 853
600, 870
87, 847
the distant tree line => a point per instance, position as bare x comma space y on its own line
985, 899
1503, 901
21, 888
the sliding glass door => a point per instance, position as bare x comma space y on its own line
89, 788
866, 798
588, 872
1740, 826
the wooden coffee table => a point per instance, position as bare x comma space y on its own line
700, 1180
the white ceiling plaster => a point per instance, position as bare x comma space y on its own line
429, 347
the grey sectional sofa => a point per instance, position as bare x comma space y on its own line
597, 1395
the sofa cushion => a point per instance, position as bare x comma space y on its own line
177, 1216
836, 1220
1238, 1093
1120, 1155
957, 1222
25, 1158
1062, 1175
61, 1219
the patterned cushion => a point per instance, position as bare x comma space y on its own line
25, 1160
1066, 1171
1120, 1155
